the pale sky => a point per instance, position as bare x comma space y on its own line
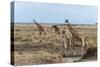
25, 12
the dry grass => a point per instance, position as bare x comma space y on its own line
36, 57
32, 48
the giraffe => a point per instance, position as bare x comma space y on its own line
42, 30
56, 28
74, 33
76, 37
66, 43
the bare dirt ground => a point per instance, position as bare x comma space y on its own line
32, 48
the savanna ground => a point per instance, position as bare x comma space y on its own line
32, 48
